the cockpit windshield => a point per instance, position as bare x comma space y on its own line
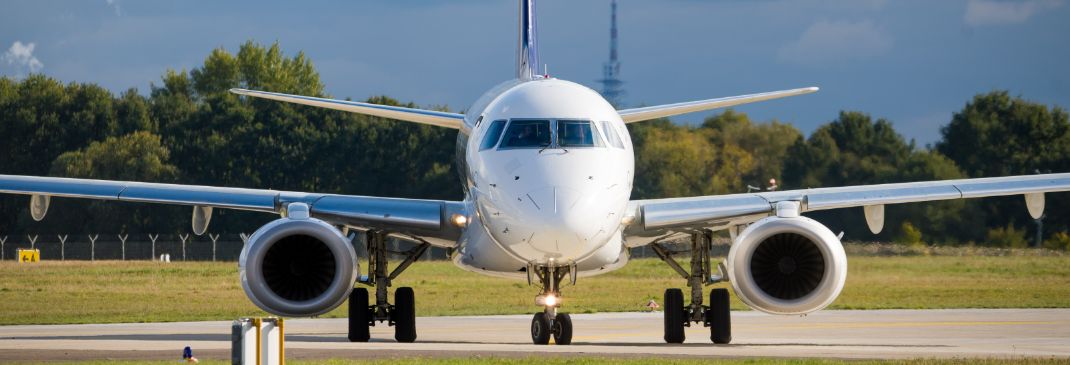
574, 133
527, 133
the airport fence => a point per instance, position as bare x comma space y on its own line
189, 247
180, 247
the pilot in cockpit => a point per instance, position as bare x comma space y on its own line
525, 138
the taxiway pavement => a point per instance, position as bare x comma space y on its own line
828, 334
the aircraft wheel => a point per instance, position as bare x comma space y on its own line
675, 315
563, 329
404, 315
358, 315
719, 317
540, 329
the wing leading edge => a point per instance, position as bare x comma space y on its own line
436, 118
424, 218
724, 210
667, 110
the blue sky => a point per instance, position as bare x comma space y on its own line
913, 62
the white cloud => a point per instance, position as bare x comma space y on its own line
993, 12
21, 56
827, 41
115, 4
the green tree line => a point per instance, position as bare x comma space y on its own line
188, 129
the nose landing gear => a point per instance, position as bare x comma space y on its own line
549, 323
716, 316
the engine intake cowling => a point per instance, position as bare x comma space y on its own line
787, 265
297, 267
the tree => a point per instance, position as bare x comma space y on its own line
1022, 136
680, 161
138, 156
766, 143
997, 135
855, 150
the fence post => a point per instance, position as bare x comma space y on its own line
93, 247
154, 238
62, 247
33, 241
123, 238
184, 238
2, 242
214, 239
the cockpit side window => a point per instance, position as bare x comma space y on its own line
611, 135
527, 134
575, 133
494, 133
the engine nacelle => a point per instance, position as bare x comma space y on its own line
787, 265
298, 267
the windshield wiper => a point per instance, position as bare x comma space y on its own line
548, 146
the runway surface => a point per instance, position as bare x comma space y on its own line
830, 334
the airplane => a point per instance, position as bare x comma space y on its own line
547, 169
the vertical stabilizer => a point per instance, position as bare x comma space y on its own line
527, 53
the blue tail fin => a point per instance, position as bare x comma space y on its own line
527, 53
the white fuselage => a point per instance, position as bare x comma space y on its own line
551, 183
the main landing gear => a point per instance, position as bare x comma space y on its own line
550, 323
716, 316
402, 314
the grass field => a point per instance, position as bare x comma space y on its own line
551, 360
142, 291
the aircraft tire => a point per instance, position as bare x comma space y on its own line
675, 315
719, 316
563, 329
540, 329
404, 315
358, 316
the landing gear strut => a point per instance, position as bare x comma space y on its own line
549, 322
401, 314
716, 316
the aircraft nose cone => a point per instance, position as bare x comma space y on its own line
564, 221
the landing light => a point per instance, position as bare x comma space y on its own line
459, 220
549, 300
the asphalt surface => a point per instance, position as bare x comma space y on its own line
892, 334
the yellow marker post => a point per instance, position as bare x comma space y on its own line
256, 322
282, 342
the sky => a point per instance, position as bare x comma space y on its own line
911, 62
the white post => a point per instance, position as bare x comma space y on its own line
2, 242
214, 239
184, 238
93, 247
33, 241
62, 247
154, 238
123, 237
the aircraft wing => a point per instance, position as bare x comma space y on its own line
720, 212
423, 218
436, 118
659, 111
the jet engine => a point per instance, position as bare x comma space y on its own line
298, 267
787, 265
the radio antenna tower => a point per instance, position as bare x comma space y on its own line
611, 84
